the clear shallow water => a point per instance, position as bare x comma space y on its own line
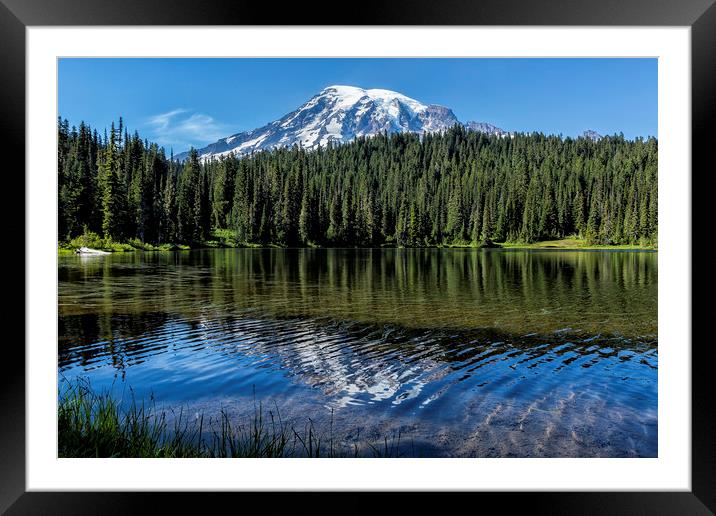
462, 352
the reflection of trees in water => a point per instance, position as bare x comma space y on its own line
516, 292
458, 288
85, 337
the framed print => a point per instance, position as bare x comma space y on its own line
311, 256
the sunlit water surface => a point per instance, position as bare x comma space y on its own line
474, 353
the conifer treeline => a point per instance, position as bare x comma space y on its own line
438, 189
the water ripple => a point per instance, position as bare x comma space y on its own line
540, 381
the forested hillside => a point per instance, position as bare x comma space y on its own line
455, 188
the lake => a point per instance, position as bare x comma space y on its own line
442, 352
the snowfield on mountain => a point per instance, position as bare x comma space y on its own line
339, 114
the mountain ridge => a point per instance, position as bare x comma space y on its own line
339, 114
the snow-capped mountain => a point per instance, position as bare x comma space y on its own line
484, 127
592, 135
339, 114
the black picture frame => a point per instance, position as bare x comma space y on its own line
16, 15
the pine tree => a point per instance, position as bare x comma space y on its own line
306, 219
189, 200
110, 190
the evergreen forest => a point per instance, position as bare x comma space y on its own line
459, 187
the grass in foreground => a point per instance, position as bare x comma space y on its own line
94, 424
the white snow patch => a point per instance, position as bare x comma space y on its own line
334, 126
252, 143
348, 96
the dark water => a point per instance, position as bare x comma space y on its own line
487, 353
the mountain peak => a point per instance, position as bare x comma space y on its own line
352, 95
339, 114
592, 135
484, 127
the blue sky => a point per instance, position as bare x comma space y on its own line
183, 102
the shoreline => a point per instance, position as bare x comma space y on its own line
565, 244
574, 244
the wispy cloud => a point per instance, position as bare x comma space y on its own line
182, 128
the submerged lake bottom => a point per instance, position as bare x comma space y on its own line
433, 353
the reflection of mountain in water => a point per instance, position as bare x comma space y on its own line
477, 353
355, 363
